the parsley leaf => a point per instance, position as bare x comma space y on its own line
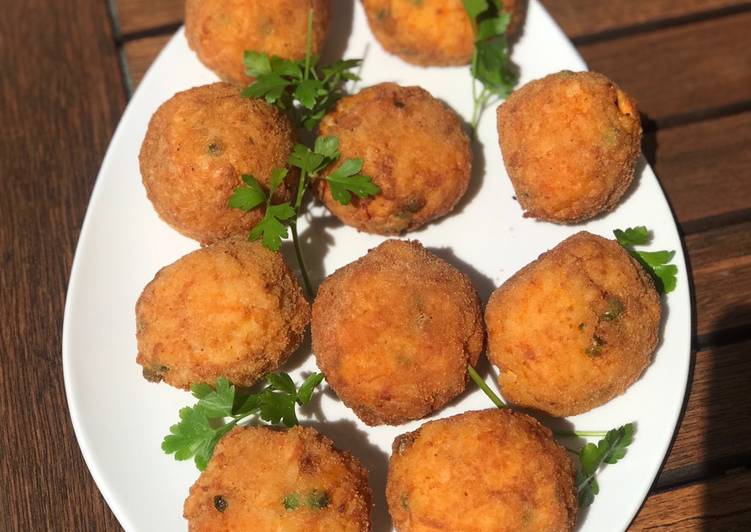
272, 229
492, 67
657, 263
307, 388
247, 197
309, 161
633, 236
344, 180
347, 180
491, 60
608, 450
203, 425
307, 87
219, 401
256, 63
475, 8
328, 147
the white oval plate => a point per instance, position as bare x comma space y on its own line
120, 419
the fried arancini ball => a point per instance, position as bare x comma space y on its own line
220, 31
412, 146
232, 309
570, 142
291, 480
483, 471
431, 32
395, 331
575, 328
198, 145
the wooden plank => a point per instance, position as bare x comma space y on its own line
576, 17
587, 17
139, 55
721, 504
682, 70
60, 99
140, 15
721, 268
704, 167
713, 433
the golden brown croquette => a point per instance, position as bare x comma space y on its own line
431, 32
232, 309
198, 145
220, 31
570, 142
412, 146
484, 471
395, 331
292, 480
575, 328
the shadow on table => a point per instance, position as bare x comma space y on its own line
726, 375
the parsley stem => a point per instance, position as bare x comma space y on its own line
300, 261
485, 388
308, 44
302, 187
603, 459
580, 433
479, 107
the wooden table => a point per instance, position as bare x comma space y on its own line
68, 68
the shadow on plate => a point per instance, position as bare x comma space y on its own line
347, 436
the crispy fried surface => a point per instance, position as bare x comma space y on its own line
272, 480
430, 32
569, 142
220, 31
413, 147
394, 332
198, 144
574, 328
232, 309
484, 471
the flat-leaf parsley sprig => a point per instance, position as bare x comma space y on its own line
306, 87
491, 60
344, 182
272, 228
657, 263
219, 409
609, 450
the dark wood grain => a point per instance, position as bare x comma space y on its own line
60, 98
720, 262
713, 434
576, 17
140, 15
588, 17
139, 55
682, 70
705, 168
721, 504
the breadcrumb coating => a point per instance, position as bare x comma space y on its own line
232, 309
395, 331
483, 471
575, 328
570, 142
282, 480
